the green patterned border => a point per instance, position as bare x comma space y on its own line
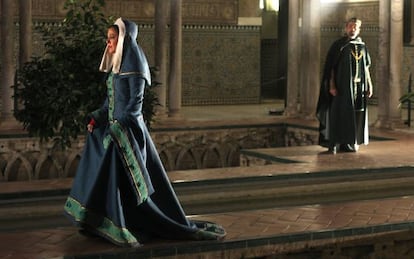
101, 224
131, 162
111, 96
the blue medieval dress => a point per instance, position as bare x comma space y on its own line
344, 118
121, 191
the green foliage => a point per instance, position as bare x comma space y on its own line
150, 99
408, 97
56, 91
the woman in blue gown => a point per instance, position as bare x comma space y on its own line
121, 191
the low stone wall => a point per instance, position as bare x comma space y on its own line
26, 159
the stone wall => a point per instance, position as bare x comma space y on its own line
221, 65
221, 60
194, 11
213, 23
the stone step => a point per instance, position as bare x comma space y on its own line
206, 196
250, 193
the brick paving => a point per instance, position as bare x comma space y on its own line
367, 217
282, 224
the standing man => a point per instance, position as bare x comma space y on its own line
346, 85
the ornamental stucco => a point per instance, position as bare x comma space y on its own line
27, 159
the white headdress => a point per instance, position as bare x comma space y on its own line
114, 61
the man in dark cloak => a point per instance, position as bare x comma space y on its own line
346, 85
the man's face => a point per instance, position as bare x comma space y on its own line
352, 29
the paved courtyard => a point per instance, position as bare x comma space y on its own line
248, 228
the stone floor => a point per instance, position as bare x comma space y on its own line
251, 228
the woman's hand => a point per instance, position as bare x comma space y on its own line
333, 91
90, 128
91, 125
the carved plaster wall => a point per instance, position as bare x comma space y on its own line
221, 60
194, 11
27, 159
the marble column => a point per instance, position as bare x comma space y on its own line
310, 58
293, 59
7, 122
389, 64
160, 55
25, 32
175, 78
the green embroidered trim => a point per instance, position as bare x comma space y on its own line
106, 141
111, 96
130, 161
106, 227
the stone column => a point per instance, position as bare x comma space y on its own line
383, 62
293, 49
160, 55
174, 80
396, 57
389, 65
309, 66
25, 33
7, 122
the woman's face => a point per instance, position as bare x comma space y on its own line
111, 40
